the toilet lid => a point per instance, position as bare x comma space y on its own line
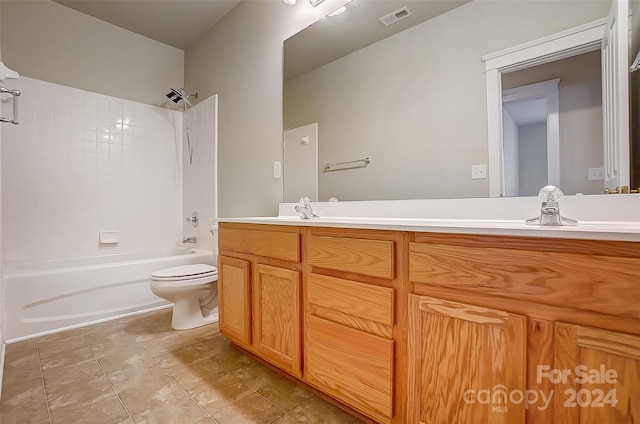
185, 272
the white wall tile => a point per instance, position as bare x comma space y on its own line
81, 162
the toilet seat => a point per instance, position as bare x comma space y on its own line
185, 272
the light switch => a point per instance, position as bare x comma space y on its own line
478, 172
596, 174
277, 169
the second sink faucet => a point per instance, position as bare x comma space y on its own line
305, 210
550, 209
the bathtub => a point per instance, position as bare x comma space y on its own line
46, 296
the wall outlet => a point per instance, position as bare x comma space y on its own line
478, 172
277, 169
596, 174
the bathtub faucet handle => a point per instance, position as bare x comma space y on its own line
193, 219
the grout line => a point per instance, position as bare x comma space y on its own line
44, 388
95, 358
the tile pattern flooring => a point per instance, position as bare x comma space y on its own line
138, 370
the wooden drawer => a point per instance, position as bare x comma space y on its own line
351, 365
358, 305
374, 258
281, 243
573, 274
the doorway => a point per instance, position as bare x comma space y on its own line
608, 35
301, 163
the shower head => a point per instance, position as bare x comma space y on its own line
176, 95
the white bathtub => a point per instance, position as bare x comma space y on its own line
46, 296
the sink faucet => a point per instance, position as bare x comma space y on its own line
305, 210
550, 209
189, 239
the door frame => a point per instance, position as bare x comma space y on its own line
581, 39
542, 90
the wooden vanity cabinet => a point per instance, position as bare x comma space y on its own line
431, 328
260, 291
537, 316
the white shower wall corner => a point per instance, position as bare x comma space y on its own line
200, 186
2, 345
80, 162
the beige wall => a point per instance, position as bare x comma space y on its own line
50, 42
241, 60
418, 100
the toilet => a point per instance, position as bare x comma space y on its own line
192, 289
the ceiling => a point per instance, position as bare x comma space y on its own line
178, 23
358, 27
528, 112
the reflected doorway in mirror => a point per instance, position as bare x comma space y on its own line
582, 39
301, 163
531, 138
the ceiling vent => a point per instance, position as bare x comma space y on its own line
394, 17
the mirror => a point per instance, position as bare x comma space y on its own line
412, 101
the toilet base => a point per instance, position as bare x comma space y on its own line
187, 314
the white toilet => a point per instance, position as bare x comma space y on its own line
192, 289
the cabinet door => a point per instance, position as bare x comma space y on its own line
276, 307
234, 299
597, 376
466, 364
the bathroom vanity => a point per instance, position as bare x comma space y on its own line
406, 322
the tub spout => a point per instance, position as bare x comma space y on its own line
189, 239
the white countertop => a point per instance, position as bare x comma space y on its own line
470, 216
622, 231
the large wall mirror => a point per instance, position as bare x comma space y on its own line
410, 97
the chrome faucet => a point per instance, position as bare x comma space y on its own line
189, 239
550, 209
305, 210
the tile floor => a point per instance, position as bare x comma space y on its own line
138, 370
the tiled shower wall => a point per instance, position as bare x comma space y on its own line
81, 162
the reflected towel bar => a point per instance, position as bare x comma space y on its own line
350, 164
14, 93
